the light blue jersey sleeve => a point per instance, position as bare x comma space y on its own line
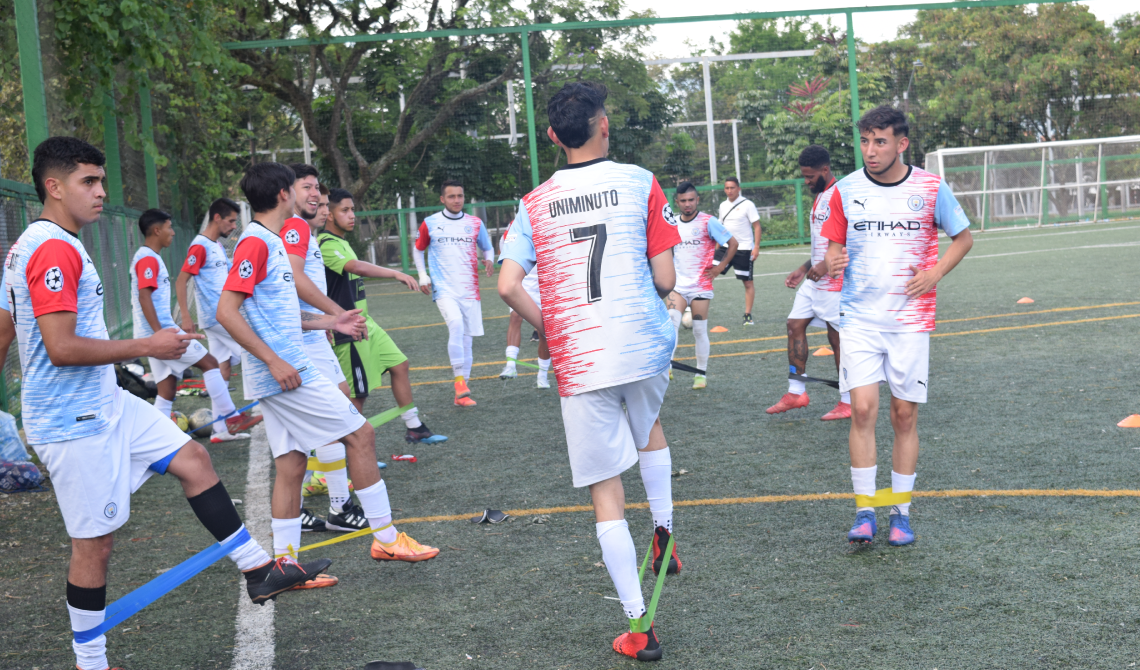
517, 244
948, 214
718, 232
484, 238
4, 292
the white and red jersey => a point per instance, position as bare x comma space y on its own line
149, 271
206, 260
887, 229
262, 272
694, 255
592, 229
820, 211
299, 241
452, 243
49, 271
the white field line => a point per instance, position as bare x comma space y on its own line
1039, 251
253, 641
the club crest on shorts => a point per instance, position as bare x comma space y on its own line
915, 202
53, 279
110, 510
845, 373
292, 237
245, 270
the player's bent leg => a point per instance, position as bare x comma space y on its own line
166, 388
514, 340
657, 477
700, 307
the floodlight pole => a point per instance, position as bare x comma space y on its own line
853, 79
31, 74
530, 125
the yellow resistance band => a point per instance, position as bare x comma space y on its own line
316, 466
349, 536
883, 498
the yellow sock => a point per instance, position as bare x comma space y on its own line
458, 378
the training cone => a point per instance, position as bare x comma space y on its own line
1025, 301
718, 329
824, 351
1131, 422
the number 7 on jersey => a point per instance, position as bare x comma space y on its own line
597, 236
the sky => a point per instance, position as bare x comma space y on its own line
871, 27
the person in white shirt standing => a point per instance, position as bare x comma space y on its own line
739, 216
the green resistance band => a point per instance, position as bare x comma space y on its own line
529, 365
643, 624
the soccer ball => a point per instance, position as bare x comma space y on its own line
687, 318
180, 419
200, 422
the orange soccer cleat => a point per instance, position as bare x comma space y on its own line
403, 549
321, 581
465, 402
243, 422
789, 401
841, 411
642, 646
461, 390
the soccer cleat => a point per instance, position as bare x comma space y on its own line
310, 522
227, 436
465, 402
748, 320
282, 575
350, 518
316, 486
841, 411
789, 401
660, 541
642, 646
901, 534
509, 372
403, 549
423, 435
321, 581
461, 390
864, 528
670, 374
243, 422
542, 383
534, 336
700, 381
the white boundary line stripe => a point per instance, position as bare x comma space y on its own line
254, 646
1040, 251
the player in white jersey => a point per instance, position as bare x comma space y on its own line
452, 241
739, 216
882, 229
99, 443
514, 337
260, 308
817, 300
693, 260
602, 235
150, 305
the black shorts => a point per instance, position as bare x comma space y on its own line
741, 263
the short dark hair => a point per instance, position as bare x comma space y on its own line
685, 187
151, 218
302, 170
222, 207
883, 117
814, 156
323, 189
572, 110
734, 180
61, 154
338, 194
263, 181
450, 182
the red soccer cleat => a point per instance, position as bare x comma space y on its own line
841, 411
242, 422
660, 541
789, 401
642, 646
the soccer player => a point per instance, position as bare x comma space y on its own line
207, 264
693, 261
260, 308
883, 239
365, 361
150, 303
99, 443
739, 216
609, 230
817, 301
452, 241
514, 337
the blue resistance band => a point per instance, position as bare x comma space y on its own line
220, 418
132, 603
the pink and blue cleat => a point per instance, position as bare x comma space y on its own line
864, 528
901, 534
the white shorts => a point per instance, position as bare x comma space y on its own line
869, 357
467, 312
310, 416
162, 369
602, 437
94, 476
822, 307
322, 355
222, 346
699, 295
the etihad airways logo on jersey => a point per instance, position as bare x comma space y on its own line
585, 203
887, 226
453, 240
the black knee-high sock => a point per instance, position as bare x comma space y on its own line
82, 598
216, 511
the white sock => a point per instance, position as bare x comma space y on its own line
336, 480
412, 418
163, 405
845, 397
468, 355
286, 532
543, 368
863, 481
249, 555
620, 557
701, 335
89, 655
512, 356
902, 484
657, 476
675, 317
219, 392
455, 347
796, 387
378, 511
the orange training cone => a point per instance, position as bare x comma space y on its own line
824, 351
1025, 301
1131, 422
718, 329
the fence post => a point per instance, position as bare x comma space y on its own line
530, 125
800, 208
853, 81
985, 196
111, 149
709, 121
1044, 205
31, 74
1102, 176
148, 159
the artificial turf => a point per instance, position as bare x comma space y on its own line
991, 582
